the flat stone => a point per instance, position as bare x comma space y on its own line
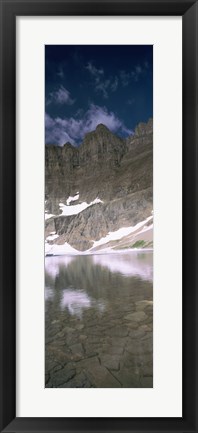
141, 305
49, 384
147, 371
77, 348
60, 335
117, 341
111, 362
58, 355
92, 339
91, 347
128, 378
78, 381
136, 333
79, 327
82, 337
51, 365
100, 377
62, 376
60, 342
139, 316
129, 361
139, 347
145, 328
148, 336
47, 376
53, 332
64, 357
68, 329
90, 354
128, 308
147, 382
86, 364
117, 332
132, 325
114, 350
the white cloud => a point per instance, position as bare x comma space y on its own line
125, 78
59, 131
114, 85
96, 115
60, 96
134, 75
94, 71
137, 72
102, 84
55, 133
138, 69
131, 101
102, 87
49, 122
60, 73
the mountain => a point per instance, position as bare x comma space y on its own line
102, 186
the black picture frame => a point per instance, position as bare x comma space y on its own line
9, 10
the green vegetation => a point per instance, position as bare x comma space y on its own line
138, 244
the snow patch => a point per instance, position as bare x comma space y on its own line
76, 209
48, 215
116, 235
76, 197
120, 233
146, 229
60, 249
52, 237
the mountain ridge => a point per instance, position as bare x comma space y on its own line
118, 172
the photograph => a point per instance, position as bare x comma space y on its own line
99, 157
99, 215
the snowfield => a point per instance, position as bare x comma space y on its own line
75, 209
111, 236
48, 215
120, 233
76, 197
52, 237
60, 249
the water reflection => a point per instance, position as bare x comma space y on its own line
99, 320
78, 300
134, 264
52, 264
49, 293
75, 301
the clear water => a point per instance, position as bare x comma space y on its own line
99, 320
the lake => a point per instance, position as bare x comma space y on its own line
99, 320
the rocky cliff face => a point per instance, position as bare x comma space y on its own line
117, 171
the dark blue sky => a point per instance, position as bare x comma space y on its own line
91, 84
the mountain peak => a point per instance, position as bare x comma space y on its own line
144, 128
101, 132
101, 127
